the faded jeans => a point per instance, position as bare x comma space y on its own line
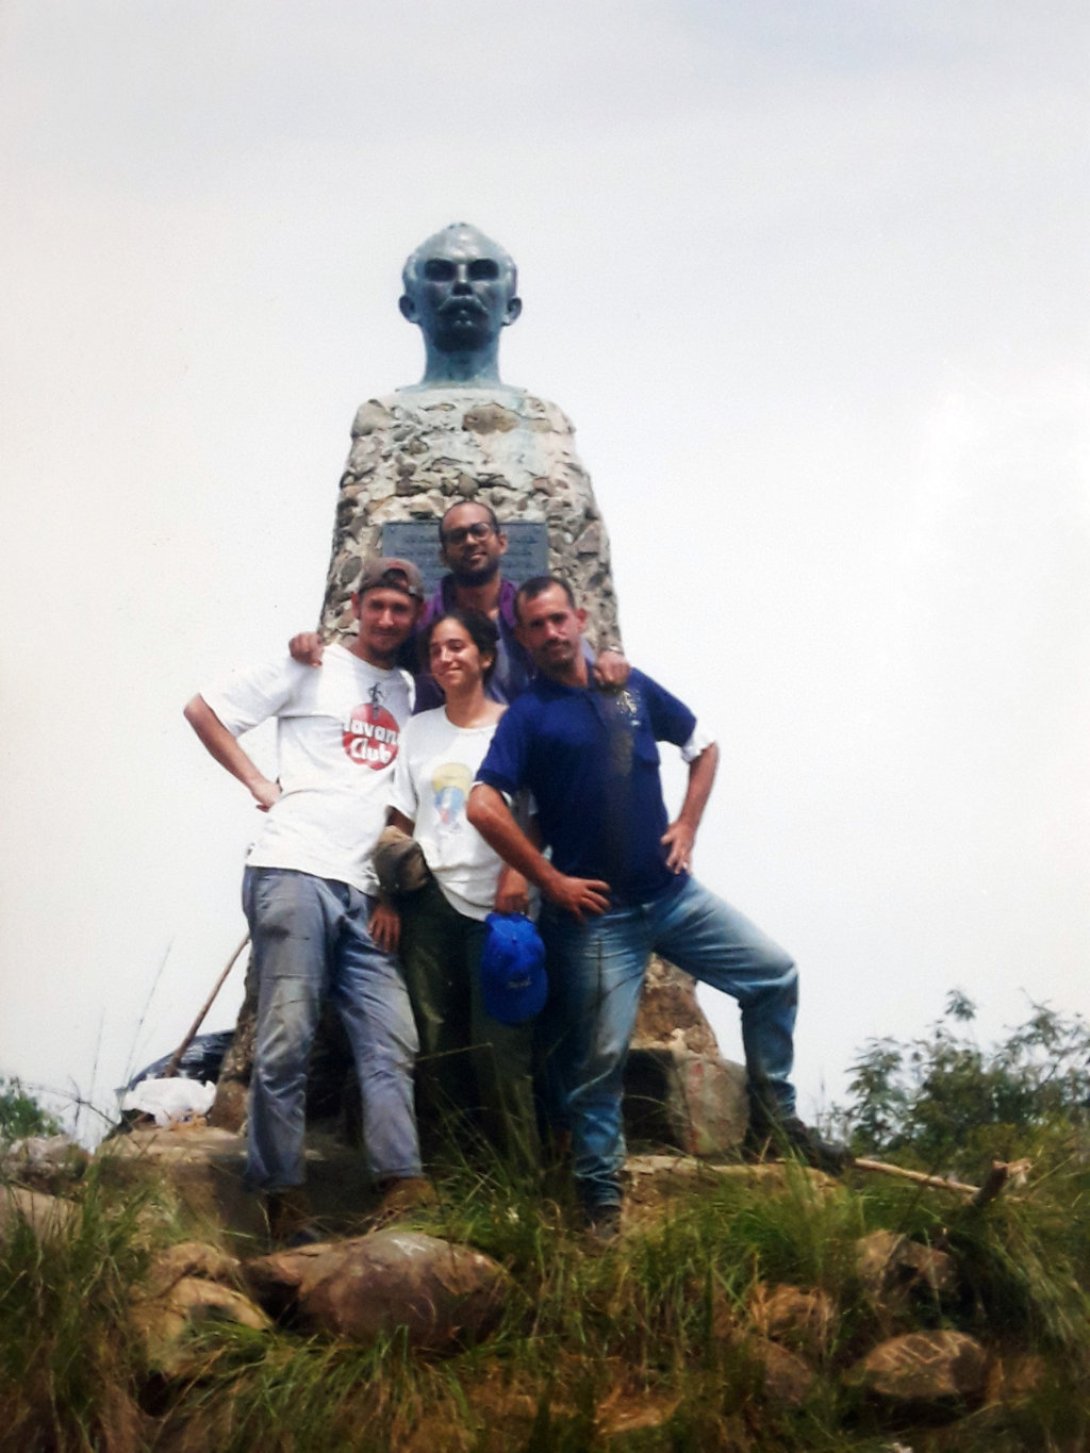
596, 972
311, 942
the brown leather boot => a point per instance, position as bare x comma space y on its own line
291, 1221
402, 1195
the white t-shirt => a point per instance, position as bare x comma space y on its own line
436, 767
339, 728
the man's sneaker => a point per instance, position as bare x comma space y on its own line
291, 1224
603, 1224
790, 1136
408, 1193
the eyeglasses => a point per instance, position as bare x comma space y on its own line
479, 530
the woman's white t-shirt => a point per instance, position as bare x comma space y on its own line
436, 766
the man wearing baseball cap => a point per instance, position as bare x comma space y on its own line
309, 889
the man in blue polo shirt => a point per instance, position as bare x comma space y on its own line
618, 888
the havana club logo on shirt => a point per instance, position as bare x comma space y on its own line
371, 734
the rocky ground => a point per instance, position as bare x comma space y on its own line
907, 1365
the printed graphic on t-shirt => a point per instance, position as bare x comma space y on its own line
371, 734
450, 785
630, 705
621, 717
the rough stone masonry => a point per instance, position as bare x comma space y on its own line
416, 453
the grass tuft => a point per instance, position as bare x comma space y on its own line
70, 1369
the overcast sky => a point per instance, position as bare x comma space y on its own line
811, 281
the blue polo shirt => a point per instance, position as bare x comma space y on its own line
591, 761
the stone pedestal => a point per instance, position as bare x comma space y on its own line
678, 1090
417, 452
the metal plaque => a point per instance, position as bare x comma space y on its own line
418, 541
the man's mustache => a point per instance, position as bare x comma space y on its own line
462, 303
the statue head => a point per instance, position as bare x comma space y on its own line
460, 287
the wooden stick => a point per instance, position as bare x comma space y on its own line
172, 1068
1002, 1172
939, 1182
994, 1182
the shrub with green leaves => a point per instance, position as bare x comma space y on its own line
21, 1113
944, 1101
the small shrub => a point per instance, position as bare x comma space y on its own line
943, 1101
21, 1114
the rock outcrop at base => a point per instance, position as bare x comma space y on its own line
45, 1215
923, 1367
440, 1294
165, 1322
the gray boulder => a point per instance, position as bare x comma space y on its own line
49, 1163
783, 1377
192, 1258
165, 1322
694, 1102
804, 1321
188, 1286
45, 1215
442, 1294
896, 1272
923, 1368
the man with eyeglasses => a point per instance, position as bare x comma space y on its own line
472, 545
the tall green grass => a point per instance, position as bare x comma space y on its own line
70, 1369
634, 1349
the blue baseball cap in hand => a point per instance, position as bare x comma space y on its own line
513, 982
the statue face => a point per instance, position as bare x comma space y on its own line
460, 287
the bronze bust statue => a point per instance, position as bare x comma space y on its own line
461, 289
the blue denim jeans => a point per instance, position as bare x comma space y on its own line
311, 942
596, 971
